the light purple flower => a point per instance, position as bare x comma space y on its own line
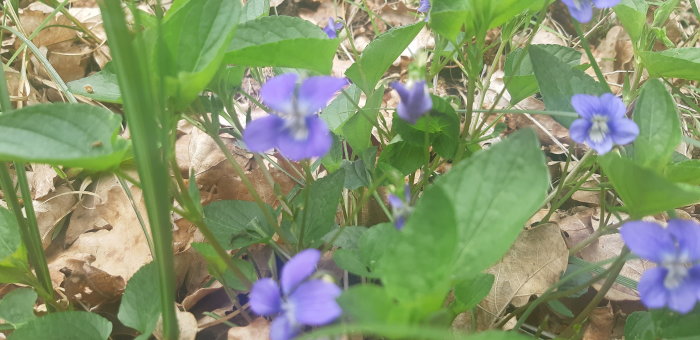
602, 123
423, 6
332, 28
415, 100
675, 283
582, 10
299, 302
295, 130
401, 209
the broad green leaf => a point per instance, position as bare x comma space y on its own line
417, 268
217, 267
370, 304
403, 156
319, 214
659, 126
633, 16
347, 237
661, 324
140, 305
379, 54
341, 109
663, 12
356, 174
282, 41
681, 62
10, 240
684, 172
65, 326
448, 17
254, 9
643, 191
17, 307
357, 130
371, 246
559, 81
101, 86
196, 37
237, 224
469, 292
494, 193
519, 76
75, 135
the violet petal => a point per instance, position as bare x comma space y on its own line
261, 134
314, 303
298, 268
278, 92
265, 297
648, 240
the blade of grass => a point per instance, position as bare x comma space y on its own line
142, 109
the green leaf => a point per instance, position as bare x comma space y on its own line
196, 35
282, 41
17, 307
448, 17
633, 16
469, 292
370, 304
346, 237
237, 224
560, 308
371, 247
559, 81
520, 78
217, 267
254, 9
684, 172
494, 193
380, 54
659, 126
140, 306
681, 62
101, 86
661, 324
341, 109
357, 130
356, 174
319, 214
416, 269
65, 326
643, 190
404, 156
75, 135
441, 124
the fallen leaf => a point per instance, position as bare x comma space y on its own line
259, 329
601, 321
41, 180
186, 323
534, 262
52, 210
90, 286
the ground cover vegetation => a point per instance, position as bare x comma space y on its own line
350, 169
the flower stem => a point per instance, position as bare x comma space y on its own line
584, 43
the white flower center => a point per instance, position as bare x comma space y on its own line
577, 4
599, 129
677, 270
295, 121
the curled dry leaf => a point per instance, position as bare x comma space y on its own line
88, 285
121, 250
601, 323
41, 180
186, 322
535, 262
52, 210
259, 329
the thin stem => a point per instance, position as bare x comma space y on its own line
143, 107
591, 58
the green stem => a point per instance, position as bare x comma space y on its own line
142, 110
29, 230
591, 58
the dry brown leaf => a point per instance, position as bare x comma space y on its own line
397, 14
259, 329
56, 31
588, 196
52, 210
534, 262
90, 286
41, 180
186, 322
601, 321
121, 250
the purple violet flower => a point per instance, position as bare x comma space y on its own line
401, 209
423, 6
299, 302
296, 130
602, 123
675, 283
582, 10
332, 28
415, 100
